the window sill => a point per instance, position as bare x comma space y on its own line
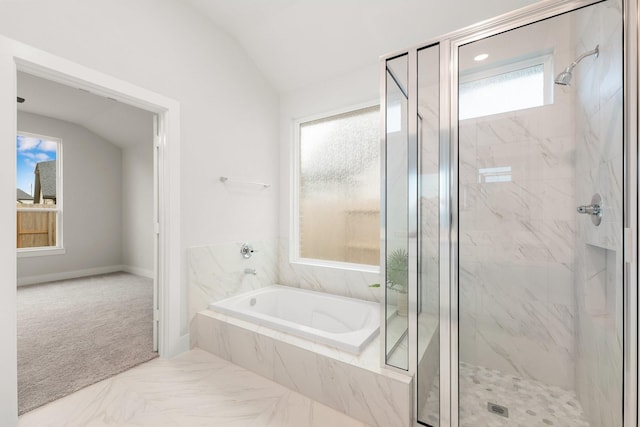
336, 265
26, 253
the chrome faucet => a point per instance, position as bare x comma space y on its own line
250, 271
246, 250
594, 209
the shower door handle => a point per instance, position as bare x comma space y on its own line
594, 209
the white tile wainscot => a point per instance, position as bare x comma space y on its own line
353, 384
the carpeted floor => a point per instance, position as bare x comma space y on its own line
74, 333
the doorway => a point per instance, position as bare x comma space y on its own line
90, 313
173, 337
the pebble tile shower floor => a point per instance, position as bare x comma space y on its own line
530, 403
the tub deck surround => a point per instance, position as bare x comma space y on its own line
354, 384
344, 323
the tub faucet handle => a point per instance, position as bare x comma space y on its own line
246, 250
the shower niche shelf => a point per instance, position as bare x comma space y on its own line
600, 289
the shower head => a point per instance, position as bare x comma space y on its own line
564, 78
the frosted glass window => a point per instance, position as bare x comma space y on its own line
339, 188
514, 90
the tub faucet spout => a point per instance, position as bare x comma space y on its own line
250, 271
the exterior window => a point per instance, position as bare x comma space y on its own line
338, 198
38, 194
530, 79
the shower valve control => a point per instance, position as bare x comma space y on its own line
246, 250
589, 209
594, 209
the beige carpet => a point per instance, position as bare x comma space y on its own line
74, 333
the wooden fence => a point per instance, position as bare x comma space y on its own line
36, 229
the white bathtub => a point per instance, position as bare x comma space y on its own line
345, 323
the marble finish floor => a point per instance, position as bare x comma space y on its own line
530, 403
193, 389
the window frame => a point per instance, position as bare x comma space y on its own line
544, 58
59, 249
294, 179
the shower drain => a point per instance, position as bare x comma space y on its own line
494, 408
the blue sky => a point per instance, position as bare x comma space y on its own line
31, 151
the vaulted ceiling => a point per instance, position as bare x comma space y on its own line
296, 43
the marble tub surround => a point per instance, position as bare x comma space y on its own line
217, 272
347, 282
353, 384
193, 389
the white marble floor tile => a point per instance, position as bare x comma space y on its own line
194, 389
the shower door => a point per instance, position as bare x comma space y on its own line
540, 161
510, 196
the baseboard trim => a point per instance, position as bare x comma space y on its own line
42, 278
138, 271
182, 345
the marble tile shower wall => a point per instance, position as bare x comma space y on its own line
599, 131
517, 242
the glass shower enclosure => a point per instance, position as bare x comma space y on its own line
510, 219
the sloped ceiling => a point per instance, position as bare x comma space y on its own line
118, 123
299, 42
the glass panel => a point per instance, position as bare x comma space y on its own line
396, 214
428, 285
540, 285
37, 188
339, 187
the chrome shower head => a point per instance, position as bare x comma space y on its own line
564, 78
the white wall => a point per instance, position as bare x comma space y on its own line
92, 187
137, 207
